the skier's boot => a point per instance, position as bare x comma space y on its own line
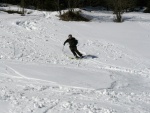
81, 56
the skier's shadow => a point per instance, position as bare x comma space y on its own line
90, 56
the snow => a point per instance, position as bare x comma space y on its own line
37, 76
4, 107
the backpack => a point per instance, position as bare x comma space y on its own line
75, 42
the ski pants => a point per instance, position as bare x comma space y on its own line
75, 51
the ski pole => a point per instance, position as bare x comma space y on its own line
63, 48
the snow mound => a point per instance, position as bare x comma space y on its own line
27, 25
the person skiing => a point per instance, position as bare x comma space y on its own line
73, 46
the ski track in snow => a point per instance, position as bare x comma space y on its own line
28, 40
41, 97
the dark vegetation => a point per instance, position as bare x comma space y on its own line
12, 11
117, 6
73, 16
148, 8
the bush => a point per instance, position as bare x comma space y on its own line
73, 16
147, 10
3, 5
12, 11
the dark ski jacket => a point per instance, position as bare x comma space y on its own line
72, 42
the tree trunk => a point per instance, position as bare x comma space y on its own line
23, 5
58, 7
119, 17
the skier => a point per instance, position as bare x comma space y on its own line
73, 46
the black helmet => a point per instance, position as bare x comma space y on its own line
69, 36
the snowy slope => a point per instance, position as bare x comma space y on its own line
37, 77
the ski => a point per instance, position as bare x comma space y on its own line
76, 58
